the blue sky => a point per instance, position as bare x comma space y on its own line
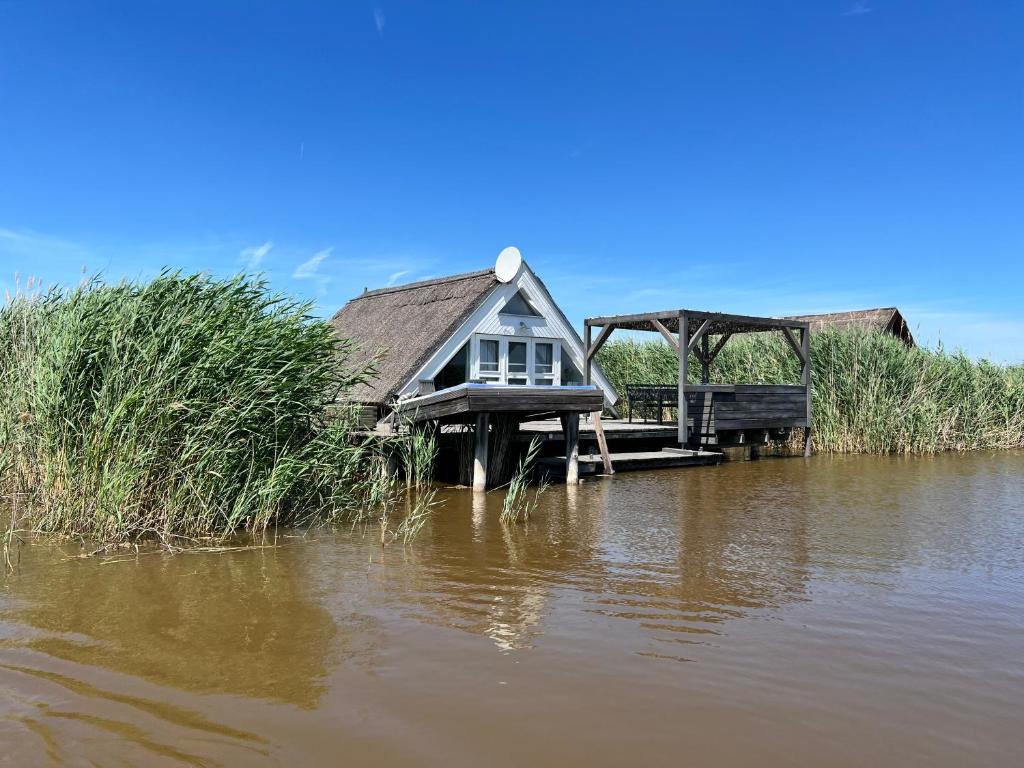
758, 157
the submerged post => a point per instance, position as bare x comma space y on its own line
684, 359
805, 378
480, 440
571, 428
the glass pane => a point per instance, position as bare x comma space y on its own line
543, 359
516, 357
454, 372
518, 305
488, 356
570, 373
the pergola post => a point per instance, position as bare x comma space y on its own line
805, 378
705, 360
480, 440
587, 333
684, 360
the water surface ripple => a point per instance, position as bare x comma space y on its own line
842, 611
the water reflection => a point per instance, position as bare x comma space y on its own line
714, 556
813, 601
240, 623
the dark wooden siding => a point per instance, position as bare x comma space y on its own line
741, 407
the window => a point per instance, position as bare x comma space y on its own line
517, 362
543, 362
570, 373
514, 360
454, 371
518, 304
490, 366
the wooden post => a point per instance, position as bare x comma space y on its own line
571, 428
684, 352
705, 360
587, 333
480, 452
602, 443
805, 377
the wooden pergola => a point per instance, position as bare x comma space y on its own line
704, 334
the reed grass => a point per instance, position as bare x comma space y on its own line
517, 504
871, 393
183, 406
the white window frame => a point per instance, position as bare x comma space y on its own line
555, 377
494, 377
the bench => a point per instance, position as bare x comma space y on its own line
661, 396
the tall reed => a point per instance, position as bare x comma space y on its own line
517, 505
183, 406
871, 393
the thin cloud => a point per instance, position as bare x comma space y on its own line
379, 20
395, 276
308, 269
254, 256
858, 9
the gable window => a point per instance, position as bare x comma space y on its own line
570, 373
455, 371
489, 362
518, 304
543, 362
516, 360
517, 370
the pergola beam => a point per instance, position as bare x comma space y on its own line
602, 337
795, 345
691, 345
718, 347
660, 328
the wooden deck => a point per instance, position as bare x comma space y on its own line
718, 410
459, 403
549, 430
634, 461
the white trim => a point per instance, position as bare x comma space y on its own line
551, 325
504, 374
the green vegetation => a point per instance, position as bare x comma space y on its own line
181, 407
871, 393
517, 505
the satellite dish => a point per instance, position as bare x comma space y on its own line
508, 264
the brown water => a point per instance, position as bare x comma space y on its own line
849, 611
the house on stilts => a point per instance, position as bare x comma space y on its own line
488, 361
474, 355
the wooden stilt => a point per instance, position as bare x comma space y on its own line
684, 351
805, 378
571, 430
602, 443
480, 452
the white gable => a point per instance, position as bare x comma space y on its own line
489, 319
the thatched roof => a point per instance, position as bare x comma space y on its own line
883, 320
405, 325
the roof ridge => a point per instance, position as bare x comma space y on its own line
846, 312
423, 283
